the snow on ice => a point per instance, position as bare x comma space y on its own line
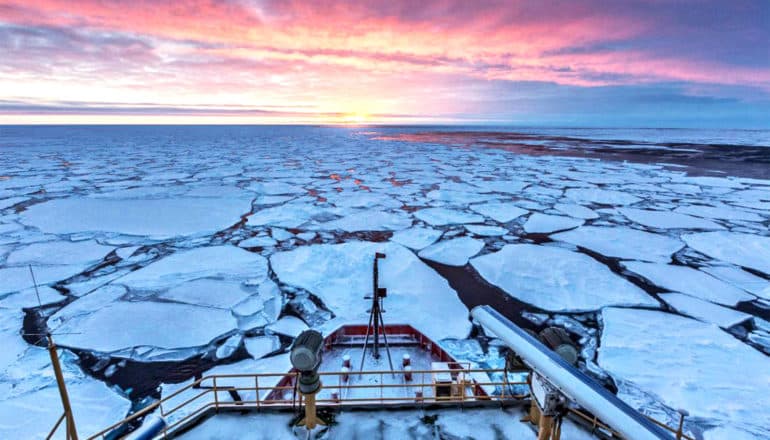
622, 242
557, 279
687, 364
341, 275
454, 252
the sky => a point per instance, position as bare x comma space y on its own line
593, 63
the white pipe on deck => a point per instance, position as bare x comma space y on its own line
570, 381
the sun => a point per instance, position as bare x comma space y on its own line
356, 118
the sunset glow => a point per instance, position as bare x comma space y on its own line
442, 61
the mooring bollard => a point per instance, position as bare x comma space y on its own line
406, 360
408, 373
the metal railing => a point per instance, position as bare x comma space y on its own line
253, 392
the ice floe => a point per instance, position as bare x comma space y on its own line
742, 279
687, 364
545, 224
557, 279
341, 275
499, 211
601, 196
417, 237
577, 211
667, 219
121, 325
746, 250
444, 216
150, 218
704, 310
623, 242
454, 252
486, 231
687, 280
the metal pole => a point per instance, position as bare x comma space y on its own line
387, 347
366, 342
65, 399
376, 310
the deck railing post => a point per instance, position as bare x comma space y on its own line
216, 396
682, 414
256, 389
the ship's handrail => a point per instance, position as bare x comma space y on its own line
177, 418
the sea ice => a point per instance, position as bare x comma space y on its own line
704, 310
577, 211
557, 279
341, 275
746, 250
687, 280
288, 325
545, 224
667, 219
444, 216
207, 292
122, 325
720, 213
417, 237
260, 346
152, 218
623, 242
369, 221
740, 278
486, 231
454, 252
601, 196
499, 211
260, 241
687, 364
204, 262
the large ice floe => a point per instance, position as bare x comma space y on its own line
151, 218
687, 280
623, 242
51, 261
686, 364
454, 252
557, 279
341, 275
667, 219
188, 299
745, 250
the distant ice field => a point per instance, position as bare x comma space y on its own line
162, 246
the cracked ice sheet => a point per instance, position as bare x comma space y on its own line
341, 276
623, 242
454, 252
667, 219
687, 280
121, 325
156, 219
746, 250
51, 261
31, 406
687, 364
205, 262
557, 279
369, 220
545, 224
